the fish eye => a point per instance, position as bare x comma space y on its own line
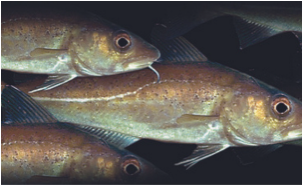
281, 106
122, 40
131, 166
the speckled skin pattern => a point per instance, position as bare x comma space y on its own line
77, 43
59, 154
203, 103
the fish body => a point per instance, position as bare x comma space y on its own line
54, 152
173, 109
68, 44
198, 102
253, 21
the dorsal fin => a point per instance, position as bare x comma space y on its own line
177, 50
22, 109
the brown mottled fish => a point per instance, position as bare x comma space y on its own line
68, 44
37, 149
196, 101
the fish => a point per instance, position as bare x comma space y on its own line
196, 102
37, 149
254, 21
66, 44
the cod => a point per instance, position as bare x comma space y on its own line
66, 44
196, 102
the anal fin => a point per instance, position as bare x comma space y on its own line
53, 81
202, 152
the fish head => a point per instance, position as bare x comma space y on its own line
136, 170
262, 115
122, 167
113, 50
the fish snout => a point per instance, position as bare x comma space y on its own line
146, 51
155, 54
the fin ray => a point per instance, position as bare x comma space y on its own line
177, 50
202, 152
114, 138
22, 109
53, 81
250, 33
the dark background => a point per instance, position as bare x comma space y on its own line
276, 61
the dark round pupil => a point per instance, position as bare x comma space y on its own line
131, 169
281, 108
122, 42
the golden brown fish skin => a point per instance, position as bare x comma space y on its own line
57, 151
237, 105
81, 44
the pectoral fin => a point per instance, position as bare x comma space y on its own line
202, 152
54, 81
45, 52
